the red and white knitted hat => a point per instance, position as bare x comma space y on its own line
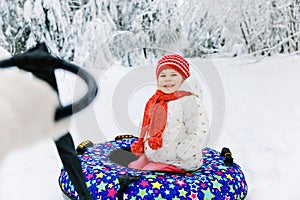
173, 61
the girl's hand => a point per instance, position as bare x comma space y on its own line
137, 147
155, 142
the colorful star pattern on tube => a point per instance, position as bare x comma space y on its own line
212, 181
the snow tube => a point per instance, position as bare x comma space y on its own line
107, 178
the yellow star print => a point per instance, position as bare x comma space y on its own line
156, 185
100, 175
182, 193
101, 186
142, 193
229, 177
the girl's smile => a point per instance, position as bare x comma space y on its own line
169, 80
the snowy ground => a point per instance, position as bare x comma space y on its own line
261, 125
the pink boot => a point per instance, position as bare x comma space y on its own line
139, 163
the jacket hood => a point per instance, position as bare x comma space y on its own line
192, 85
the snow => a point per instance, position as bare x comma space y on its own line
261, 129
262, 125
3, 54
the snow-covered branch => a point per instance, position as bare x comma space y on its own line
89, 31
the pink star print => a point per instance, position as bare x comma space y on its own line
89, 176
112, 192
203, 185
144, 183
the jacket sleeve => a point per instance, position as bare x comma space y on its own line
196, 123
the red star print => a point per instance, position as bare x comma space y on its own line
144, 183
89, 176
219, 173
194, 196
231, 170
112, 192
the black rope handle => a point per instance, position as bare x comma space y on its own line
41, 63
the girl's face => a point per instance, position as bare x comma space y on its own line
169, 80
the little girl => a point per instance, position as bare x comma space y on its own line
175, 123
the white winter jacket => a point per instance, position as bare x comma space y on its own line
186, 130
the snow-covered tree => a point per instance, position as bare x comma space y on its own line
74, 30
93, 33
204, 34
271, 26
88, 34
14, 30
145, 25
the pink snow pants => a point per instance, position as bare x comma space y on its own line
144, 164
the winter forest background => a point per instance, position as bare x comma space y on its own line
262, 123
92, 33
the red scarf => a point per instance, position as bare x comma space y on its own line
155, 119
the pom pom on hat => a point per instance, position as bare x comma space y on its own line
173, 61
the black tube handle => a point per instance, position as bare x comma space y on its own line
41, 63
227, 155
